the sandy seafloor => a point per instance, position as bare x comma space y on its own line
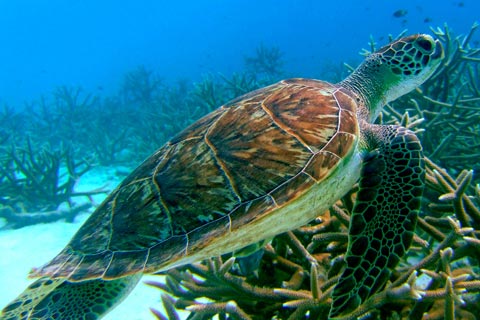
34, 245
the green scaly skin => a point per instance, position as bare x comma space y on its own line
64, 300
392, 178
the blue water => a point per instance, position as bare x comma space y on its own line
92, 44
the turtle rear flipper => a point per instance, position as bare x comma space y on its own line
384, 215
60, 299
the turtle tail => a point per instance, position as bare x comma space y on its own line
60, 299
384, 215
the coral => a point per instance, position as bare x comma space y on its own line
439, 278
63, 118
267, 60
10, 124
34, 183
141, 85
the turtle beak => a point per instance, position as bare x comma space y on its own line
438, 53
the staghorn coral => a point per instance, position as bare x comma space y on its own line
439, 278
267, 61
10, 124
34, 183
61, 118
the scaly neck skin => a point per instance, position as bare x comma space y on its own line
370, 88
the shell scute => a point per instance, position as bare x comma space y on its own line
204, 235
170, 249
345, 100
250, 211
194, 187
67, 266
348, 124
92, 266
341, 144
197, 129
125, 262
258, 154
292, 188
321, 165
309, 113
136, 211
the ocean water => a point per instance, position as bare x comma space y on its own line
93, 45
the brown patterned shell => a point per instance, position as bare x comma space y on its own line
239, 163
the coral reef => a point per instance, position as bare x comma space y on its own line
267, 61
34, 183
39, 162
439, 278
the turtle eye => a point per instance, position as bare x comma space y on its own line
425, 44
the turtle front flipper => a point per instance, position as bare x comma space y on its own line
384, 215
60, 299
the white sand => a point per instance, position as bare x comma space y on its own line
33, 246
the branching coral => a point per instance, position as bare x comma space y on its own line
61, 118
141, 85
10, 123
34, 183
267, 60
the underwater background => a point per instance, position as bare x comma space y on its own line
88, 89
93, 44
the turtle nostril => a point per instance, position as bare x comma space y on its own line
425, 44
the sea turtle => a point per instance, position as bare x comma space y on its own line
264, 163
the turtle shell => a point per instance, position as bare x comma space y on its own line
230, 169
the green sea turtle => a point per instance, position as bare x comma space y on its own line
262, 164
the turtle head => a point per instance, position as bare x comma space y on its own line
395, 70
408, 62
